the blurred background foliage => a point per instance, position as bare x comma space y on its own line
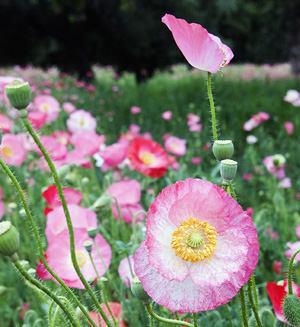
128, 34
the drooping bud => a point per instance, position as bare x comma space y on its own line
92, 232
291, 309
9, 240
223, 149
102, 201
228, 170
18, 94
139, 292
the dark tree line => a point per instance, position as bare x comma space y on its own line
128, 34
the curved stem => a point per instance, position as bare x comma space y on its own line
254, 308
38, 240
134, 231
67, 215
212, 107
166, 320
40, 286
290, 270
55, 317
244, 309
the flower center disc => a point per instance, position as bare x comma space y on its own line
80, 258
147, 158
194, 240
7, 151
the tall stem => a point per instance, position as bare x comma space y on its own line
212, 107
195, 320
38, 240
67, 215
254, 308
290, 270
244, 308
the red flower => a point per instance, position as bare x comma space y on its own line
148, 157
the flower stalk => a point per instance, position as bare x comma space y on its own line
212, 107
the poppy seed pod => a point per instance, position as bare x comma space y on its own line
223, 149
228, 170
18, 94
291, 309
139, 292
9, 239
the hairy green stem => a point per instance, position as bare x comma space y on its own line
166, 320
290, 270
38, 240
254, 290
212, 107
55, 317
195, 320
134, 230
254, 307
243, 306
67, 215
43, 288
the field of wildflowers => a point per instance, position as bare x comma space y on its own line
131, 217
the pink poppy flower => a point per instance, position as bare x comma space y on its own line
167, 115
135, 110
76, 158
126, 270
56, 150
175, 146
52, 198
128, 194
81, 121
113, 155
197, 128
59, 257
277, 293
148, 157
289, 127
251, 139
249, 211
271, 233
87, 143
192, 119
275, 165
12, 150
135, 129
41, 271
247, 177
277, 265
285, 183
62, 137
47, 104
250, 124
292, 248
196, 160
293, 97
81, 218
116, 310
5, 123
37, 118
201, 49
68, 107
201, 247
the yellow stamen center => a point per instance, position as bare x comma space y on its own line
194, 240
45, 107
173, 146
147, 158
81, 123
7, 152
81, 258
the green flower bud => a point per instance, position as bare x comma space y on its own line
92, 232
88, 246
3, 289
223, 149
85, 181
278, 160
291, 309
91, 280
9, 239
228, 170
18, 94
138, 291
102, 201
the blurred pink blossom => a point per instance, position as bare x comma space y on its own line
289, 127
68, 107
167, 115
37, 118
81, 121
12, 150
135, 129
275, 165
87, 143
135, 110
271, 233
113, 155
196, 160
249, 211
277, 265
251, 139
293, 97
247, 177
175, 146
5, 123
47, 104
285, 183
196, 128
126, 270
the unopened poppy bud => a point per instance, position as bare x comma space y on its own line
9, 240
32, 272
278, 160
291, 309
91, 280
102, 201
138, 291
92, 232
85, 181
228, 170
88, 246
18, 94
223, 149
3, 289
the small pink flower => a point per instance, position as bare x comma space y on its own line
175, 146
293, 247
55, 149
247, 177
81, 121
285, 183
201, 247
126, 270
135, 129
87, 143
59, 257
271, 233
61, 136
196, 160
192, 119
90, 88
113, 155
167, 115
135, 110
275, 165
201, 49
12, 150
289, 127
250, 124
196, 128
37, 118
249, 211
47, 104
68, 107
292, 96
5, 123
277, 265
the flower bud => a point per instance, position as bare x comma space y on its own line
291, 309
278, 160
18, 94
139, 292
92, 232
3, 289
85, 181
228, 170
102, 201
88, 246
223, 149
9, 239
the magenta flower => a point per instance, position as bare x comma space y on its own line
285, 183
87, 143
12, 150
113, 155
47, 104
68, 107
175, 146
135, 110
167, 115
289, 127
201, 49
275, 165
59, 257
201, 247
126, 270
128, 195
